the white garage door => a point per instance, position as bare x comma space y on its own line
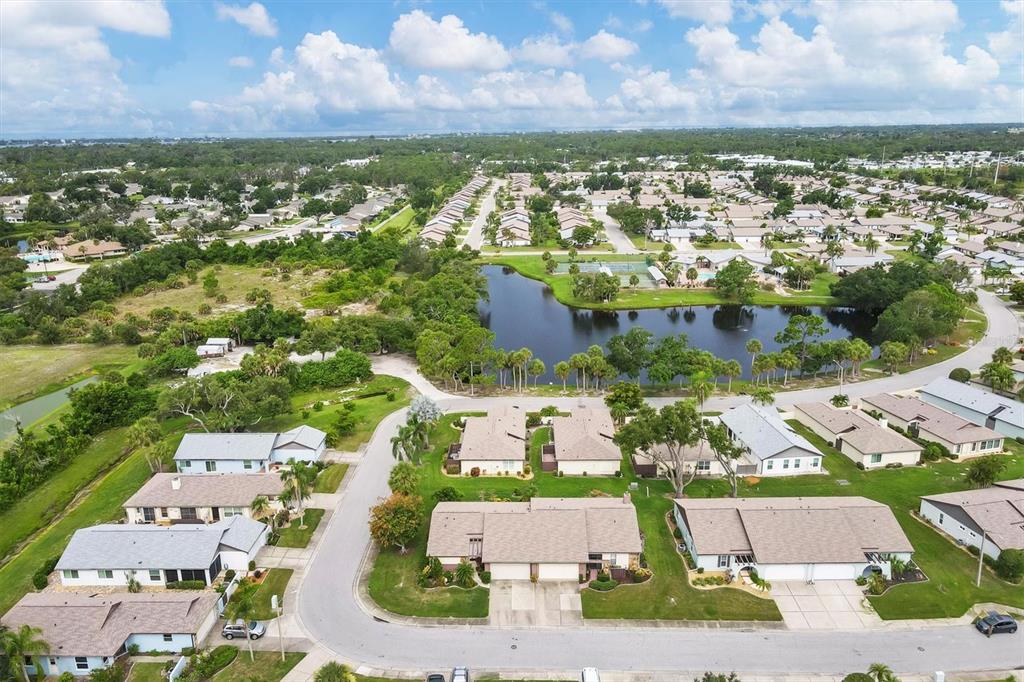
510, 571
558, 572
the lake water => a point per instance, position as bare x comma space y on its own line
525, 313
33, 410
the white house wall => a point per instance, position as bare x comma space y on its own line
958, 531
593, 467
510, 571
557, 572
491, 467
223, 466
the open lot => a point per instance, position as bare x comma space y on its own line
37, 370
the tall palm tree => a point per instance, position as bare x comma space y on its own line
242, 606
403, 443
260, 509
732, 370
17, 644
700, 388
299, 478
871, 244
754, 346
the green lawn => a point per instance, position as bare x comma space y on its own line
650, 245
949, 591
275, 583
146, 672
400, 223
716, 245
330, 478
295, 536
667, 595
268, 666
44, 369
561, 285
972, 328
369, 411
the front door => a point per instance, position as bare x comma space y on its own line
216, 513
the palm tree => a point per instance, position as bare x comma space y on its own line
260, 508
732, 369
403, 444
790, 362
562, 370
691, 276
754, 346
142, 434
882, 673
871, 244
763, 395
21, 643
700, 388
242, 606
299, 477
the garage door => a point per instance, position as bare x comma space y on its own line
510, 571
558, 572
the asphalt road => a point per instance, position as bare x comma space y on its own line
329, 613
615, 234
475, 237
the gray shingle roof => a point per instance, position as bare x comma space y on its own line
79, 624
972, 398
226, 446
304, 435
205, 490
144, 547
764, 432
998, 509
794, 530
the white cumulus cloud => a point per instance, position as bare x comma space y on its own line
253, 17
420, 41
545, 50
241, 62
607, 47
704, 11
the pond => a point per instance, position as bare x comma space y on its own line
33, 410
524, 313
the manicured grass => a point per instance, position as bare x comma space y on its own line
294, 536
667, 595
561, 285
971, 330
949, 591
275, 583
330, 478
267, 667
146, 672
368, 411
716, 245
651, 245
38, 370
400, 223
101, 505
820, 286
235, 281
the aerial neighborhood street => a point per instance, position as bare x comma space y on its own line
522, 342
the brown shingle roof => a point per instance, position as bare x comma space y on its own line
931, 419
205, 490
501, 435
860, 431
998, 509
585, 435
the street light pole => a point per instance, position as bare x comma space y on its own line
981, 559
278, 608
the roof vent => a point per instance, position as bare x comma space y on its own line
176, 483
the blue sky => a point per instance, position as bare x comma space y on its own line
145, 67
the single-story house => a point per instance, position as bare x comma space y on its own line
92, 248
996, 412
87, 632
582, 444
998, 510
792, 538
172, 498
961, 437
545, 538
657, 276
773, 447
867, 442
243, 453
492, 445
113, 553
215, 348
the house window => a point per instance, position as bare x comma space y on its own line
816, 462
723, 561
185, 464
188, 513
211, 466
70, 574
148, 514
29, 661
228, 512
247, 464
154, 575
508, 464
876, 458
193, 574
168, 638
770, 466
785, 464
105, 574
163, 512
942, 518
796, 463
81, 663
703, 465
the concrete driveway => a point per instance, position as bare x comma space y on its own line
521, 603
825, 605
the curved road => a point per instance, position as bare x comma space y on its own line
330, 615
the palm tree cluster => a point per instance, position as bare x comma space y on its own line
24, 642
298, 478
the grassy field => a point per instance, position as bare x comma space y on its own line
235, 281
533, 267
267, 666
330, 478
667, 595
294, 535
971, 330
44, 369
275, 583
550, 245
716, 245
400, 223
949, 591
146, 672
650, 245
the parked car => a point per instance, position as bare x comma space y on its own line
232, 630
460, 674
590, 675
436, 677
996, 623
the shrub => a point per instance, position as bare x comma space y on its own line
133, 650
447, 494
549, 411
876, 584
860, 465
618, 473
474, 472
66, 677
960, 374
677, 534
41, 577
485, 577
603, 585
252, 565
207, 664
345, 368
229, 575
318, 406
1010, 565
532, 421
700, 569
861, 580
332, 671
641, 575
391, 396
858, 677
187, 585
